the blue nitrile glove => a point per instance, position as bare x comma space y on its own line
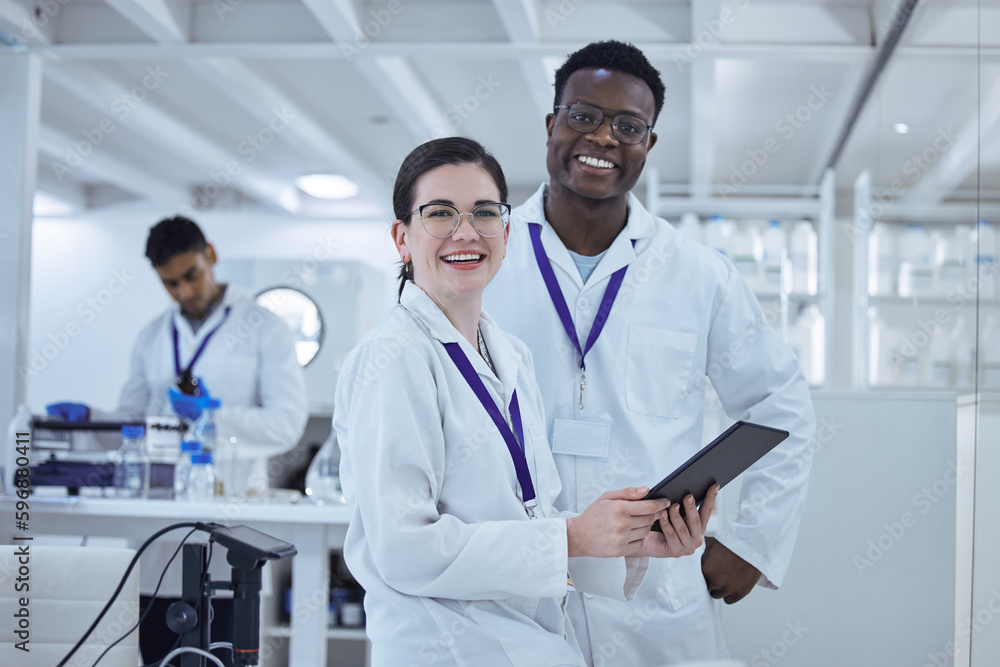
71, 412
190, 406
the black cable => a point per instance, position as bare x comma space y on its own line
121, 585
150, 606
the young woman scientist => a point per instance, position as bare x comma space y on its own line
444, 457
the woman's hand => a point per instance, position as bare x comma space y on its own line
616, 524
681, 536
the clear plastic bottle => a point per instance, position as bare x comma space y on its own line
718, 234
323, 477
986, 260
805, 258
204, 428
881, 260
132, 464
773, 257
201, 482
182, 471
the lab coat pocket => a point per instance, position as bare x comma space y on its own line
683, 580
657, 370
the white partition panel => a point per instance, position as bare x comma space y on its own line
872, 582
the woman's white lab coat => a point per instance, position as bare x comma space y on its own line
455, 572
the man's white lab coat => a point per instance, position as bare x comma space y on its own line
683, 313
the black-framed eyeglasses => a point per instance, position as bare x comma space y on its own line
442, 220
586, 118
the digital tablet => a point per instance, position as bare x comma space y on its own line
718, 462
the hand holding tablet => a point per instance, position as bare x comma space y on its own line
719, 462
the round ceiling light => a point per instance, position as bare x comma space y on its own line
327, 186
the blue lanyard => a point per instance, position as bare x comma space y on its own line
559, 301
516, 452
201, 348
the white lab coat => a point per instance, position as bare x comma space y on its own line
683, 313
250, 365
455, 572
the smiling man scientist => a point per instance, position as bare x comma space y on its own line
625, 318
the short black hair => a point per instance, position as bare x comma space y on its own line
171, 237
617, 56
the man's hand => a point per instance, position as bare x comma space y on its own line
187, 406
727, 575
71, 412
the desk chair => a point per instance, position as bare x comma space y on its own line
69, 587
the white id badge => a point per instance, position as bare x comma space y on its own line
579, 432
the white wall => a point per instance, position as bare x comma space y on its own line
92, 289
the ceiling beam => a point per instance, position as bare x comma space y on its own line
107, 169
498, 50
174, 136
520, 20
957, 155
390, 74
162, 20
701, 126
255, 95
258, 96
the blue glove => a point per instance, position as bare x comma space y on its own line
189, 406
71, 412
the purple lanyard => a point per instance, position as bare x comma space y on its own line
559, 301
201, 348
516, 452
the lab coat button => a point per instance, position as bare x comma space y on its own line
583, 303
589, 596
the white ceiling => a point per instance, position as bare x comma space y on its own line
350, 87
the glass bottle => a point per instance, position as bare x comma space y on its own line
132, 464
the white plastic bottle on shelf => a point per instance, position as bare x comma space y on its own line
986, 260
805, 258
182, 471
807, 337
690, 226
989, 352
950, 260
964, 349
881, 260
719, 233
201, 482
916, 278
747, 253
940, 364
773, 257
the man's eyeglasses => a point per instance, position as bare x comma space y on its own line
442, 220
586, 118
